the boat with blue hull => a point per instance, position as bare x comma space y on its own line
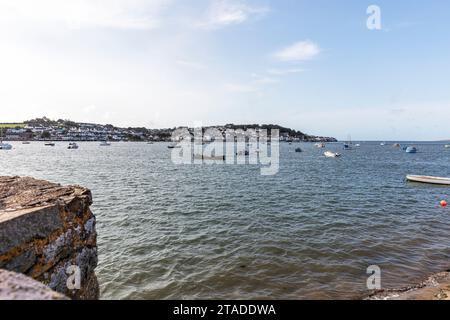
411, 150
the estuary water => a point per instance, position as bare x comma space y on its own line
169, 231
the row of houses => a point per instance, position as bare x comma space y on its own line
44, 129
81, 132
212, 133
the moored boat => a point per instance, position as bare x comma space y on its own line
298, 150
105, 144
411, 150
330, 154
72, 145
447, 146
50, 144
349, 144
5, 146
429, 179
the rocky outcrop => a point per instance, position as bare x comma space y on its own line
16, 286
47, 232
436, 287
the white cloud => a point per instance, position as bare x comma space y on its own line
284, 72
255, 85
76, 14
259, 79
299, 51
223, 13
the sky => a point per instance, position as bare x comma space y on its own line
313, 66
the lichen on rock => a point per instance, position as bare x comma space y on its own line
45, 228
16, 286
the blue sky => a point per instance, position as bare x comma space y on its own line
310, 65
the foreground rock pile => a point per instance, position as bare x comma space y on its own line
47, 232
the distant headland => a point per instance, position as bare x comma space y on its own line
45, 129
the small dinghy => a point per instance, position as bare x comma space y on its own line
49, 144
429, 180
5, 146
330, 154
298, 150
411, 150
105, 144
72, 146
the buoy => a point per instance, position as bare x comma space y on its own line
443, 203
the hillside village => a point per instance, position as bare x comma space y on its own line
44, 129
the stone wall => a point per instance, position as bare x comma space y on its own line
47, 232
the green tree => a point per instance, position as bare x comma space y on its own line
46, 135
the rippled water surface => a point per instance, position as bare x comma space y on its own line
168, 231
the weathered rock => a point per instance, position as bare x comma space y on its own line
46, 230
16, 286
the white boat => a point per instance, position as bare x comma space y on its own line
330, 154
447, 146
105, 144
383, 144
411, 150
320, 145
26, 142
357, 145
5, 146
429, 180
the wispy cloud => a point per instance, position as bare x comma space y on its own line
77, 14
263, 79
254, 85
240, 88
284, 72
223, 13
299, 51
